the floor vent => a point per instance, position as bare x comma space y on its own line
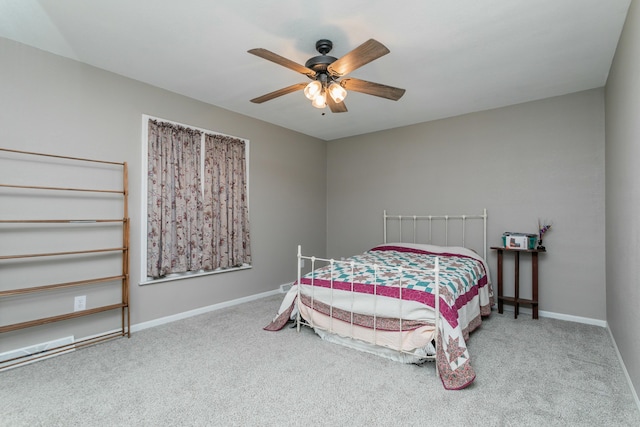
36, 352
285, 288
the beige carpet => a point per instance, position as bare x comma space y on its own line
222, 369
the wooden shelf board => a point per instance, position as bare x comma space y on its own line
12, 292
518, 301
66, 316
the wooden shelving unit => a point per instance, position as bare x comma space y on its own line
121, 277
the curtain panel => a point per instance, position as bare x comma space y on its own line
174, 204
197, 207
226, 228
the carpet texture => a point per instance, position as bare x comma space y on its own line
223, 369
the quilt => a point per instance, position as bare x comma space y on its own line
365, 290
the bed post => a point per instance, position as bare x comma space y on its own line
437, 307
484, 217
384, 226
298, 283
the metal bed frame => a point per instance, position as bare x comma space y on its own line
436, 270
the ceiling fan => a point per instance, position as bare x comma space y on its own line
328, 87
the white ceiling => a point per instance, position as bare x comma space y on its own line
452, 57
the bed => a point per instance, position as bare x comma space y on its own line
407, 301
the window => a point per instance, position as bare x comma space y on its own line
197, 211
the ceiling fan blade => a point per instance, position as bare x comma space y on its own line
279, 92
336, 107
281, 60
370, 88
363, 54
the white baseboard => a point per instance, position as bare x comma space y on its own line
624, 368
202, 310
570, 318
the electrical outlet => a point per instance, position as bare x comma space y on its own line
80, 303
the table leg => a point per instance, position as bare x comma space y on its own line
517, 285
534, 283
500, 302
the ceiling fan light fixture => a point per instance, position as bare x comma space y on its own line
320, 101
313, 89
328, 75
337, 92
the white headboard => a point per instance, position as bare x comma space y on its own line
414, 222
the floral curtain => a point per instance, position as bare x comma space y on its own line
174, 204
226, 216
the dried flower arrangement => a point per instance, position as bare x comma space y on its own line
542, 229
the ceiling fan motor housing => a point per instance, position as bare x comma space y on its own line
320, 63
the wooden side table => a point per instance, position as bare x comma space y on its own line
516, 300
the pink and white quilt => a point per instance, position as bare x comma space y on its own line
365, 290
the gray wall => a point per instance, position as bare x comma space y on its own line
623, 195
542, 159
54, 105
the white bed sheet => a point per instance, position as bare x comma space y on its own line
405, 341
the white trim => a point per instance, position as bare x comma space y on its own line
560, 316
190, 275
577, 319
146, 117
143, 200
201, 310
624, 368
144, 168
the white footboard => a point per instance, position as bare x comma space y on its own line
379, 308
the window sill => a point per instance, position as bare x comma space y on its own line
183, 276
